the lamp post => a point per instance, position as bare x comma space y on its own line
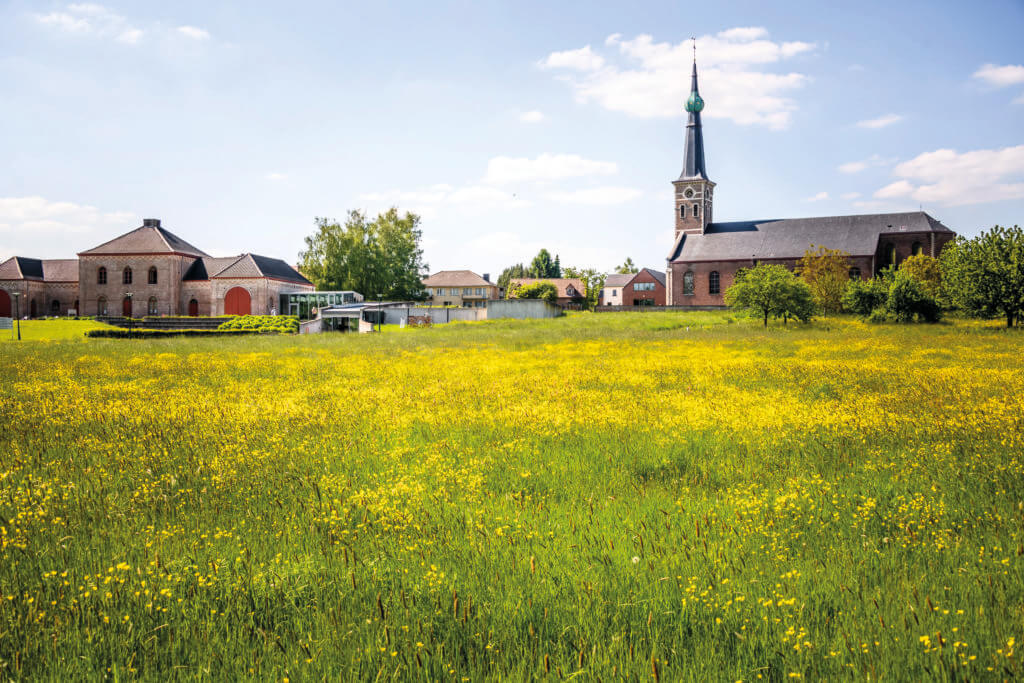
130, 311
380, 306
17, 313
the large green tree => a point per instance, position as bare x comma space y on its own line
543, 266
827, 273
771, 290
984, 276
378, 258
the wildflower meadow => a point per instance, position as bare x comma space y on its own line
657, 496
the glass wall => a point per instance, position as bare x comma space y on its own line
303, 304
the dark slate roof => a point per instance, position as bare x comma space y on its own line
658, 275
31, 268
791, 237
51, 270
276, 268
148, 239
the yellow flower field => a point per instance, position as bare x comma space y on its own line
658, 495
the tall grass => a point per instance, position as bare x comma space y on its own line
663, 496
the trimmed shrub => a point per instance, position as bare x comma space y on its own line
281, 324
121, 333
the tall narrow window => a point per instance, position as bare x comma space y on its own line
152, 275
101, 306
151, 309
682, 211
54, 307
101, 276
890, 255
714, 283
688, 283
696, 210
917, 249
126, 276
855, 273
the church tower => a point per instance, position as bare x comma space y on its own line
693, 190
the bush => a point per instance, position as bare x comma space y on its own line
909, 299
864, 297
538, 290
879, 315
281, 324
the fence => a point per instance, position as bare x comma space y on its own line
655, 309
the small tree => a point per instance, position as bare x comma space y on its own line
544, 266
925, 270
538, 290
627, 267
771, 290
909, 299
863, 297
984, 276
827, 272
516, 271
593, 283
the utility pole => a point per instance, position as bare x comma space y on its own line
17, 312
130, 311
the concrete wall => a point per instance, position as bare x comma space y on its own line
522, 309
438, 316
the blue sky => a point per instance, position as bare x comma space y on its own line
508, 125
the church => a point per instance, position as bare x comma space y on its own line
706, 255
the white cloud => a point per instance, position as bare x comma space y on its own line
850, 195
130, 36
881, 121
950, 178
194, 33
23, 215
858, 166
276, 176
652, 80
531, 116
583, 59
1000, 76
595, 196
546, 167
820, 197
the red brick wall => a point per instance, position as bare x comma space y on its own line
630, 298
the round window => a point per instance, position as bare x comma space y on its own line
689, 193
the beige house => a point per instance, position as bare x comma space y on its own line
462, 288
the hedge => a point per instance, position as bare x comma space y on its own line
120, 333
286, 324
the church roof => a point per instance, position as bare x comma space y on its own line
148, 239
791, 237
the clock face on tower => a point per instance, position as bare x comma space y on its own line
689, 192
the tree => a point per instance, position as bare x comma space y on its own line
925, 270
769, 289
864, 297
827, 272
543, 266
378, 258
908, 299
593, 283
516, 271
538, 290
627, 267
984, 276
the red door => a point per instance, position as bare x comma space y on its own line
5, 304
237, 302
126, 307
193, 308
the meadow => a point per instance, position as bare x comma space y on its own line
656, 496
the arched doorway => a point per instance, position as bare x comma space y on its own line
237, 302
193, 308
5, 305
33, 309
126, 307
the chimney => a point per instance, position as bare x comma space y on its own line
487, 276
151, 222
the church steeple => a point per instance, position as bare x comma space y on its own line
693, 200
693, 156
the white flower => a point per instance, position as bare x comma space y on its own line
635, 559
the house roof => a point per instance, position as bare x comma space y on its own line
243, 266
148, 239
791, 237
618, 279
52, 270
60, 270
456, 278
203, 268
658, 275
562, 284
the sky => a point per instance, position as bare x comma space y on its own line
507, 126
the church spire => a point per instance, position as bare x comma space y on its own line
693, 157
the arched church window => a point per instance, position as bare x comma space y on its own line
714, 283
152, 275
101, 276
696, 210
688, 283
682, 211
126, 275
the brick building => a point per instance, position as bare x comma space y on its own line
148, 271
462, 288
706, 255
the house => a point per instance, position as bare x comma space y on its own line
147, 271
611, 293
706, 255
646, 288
462, 288
571, 290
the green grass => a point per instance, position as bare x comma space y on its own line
51, 330
597, 496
